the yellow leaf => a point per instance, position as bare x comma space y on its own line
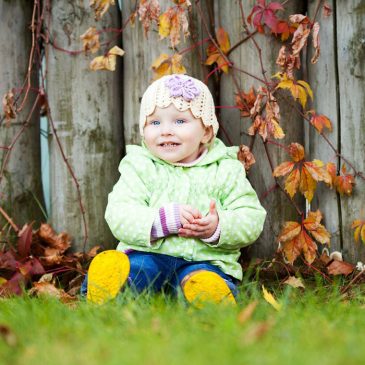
166, 65
164, 26
306, 87
107, 62
116, 51
270, 299
278, 131
307, 185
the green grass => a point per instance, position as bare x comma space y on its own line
315, 326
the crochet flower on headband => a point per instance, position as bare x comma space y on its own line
182, 86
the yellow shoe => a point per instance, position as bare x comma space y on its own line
107, 273
204, 286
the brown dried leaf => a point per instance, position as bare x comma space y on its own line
294, 282
60, 242
326, 10
7, 334
148, 11
316, 43
340, 268
100, 7
90, 40
246, 157
245, 102
9, 107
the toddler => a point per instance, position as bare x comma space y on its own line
182, 208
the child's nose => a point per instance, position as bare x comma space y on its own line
166, 129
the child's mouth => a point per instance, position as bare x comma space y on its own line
168, 144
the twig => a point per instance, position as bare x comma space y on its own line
344, 290
6, 216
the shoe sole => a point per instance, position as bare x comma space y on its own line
107, 274
206, 287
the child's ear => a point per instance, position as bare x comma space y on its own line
208, 135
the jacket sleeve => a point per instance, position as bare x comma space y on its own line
241, 216
128, 213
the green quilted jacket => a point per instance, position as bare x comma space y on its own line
147, 183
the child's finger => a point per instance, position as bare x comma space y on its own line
187, 215
195, 227
202, 221
188, 233
212, 207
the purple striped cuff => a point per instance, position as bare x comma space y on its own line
215, 237
167, 222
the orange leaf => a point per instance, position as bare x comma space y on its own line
292, 249
345, 182
246, 156
284, 168
296, 152
307, 184
223, 40
320, 121
292, 182
331, 169
315, 228
309, 246
289, 231
318, 172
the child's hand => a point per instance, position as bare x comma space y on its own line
202, 227
188, 214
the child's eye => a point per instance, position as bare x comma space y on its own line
180, 121
155, 122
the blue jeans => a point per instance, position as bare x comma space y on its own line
154, 272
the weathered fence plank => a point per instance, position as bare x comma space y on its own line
140, 55
246, 57
350, 30
86, 110
21, 185
323, 78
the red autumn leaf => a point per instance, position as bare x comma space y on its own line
8, 261
245, 102
25, 240
284, 29
265, 14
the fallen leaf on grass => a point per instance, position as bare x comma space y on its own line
257, 331
7, 335
246, 313
294, 282
270, 299
340, 268
48, 289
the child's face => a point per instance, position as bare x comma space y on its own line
175, 136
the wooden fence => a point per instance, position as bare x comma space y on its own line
96, 113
